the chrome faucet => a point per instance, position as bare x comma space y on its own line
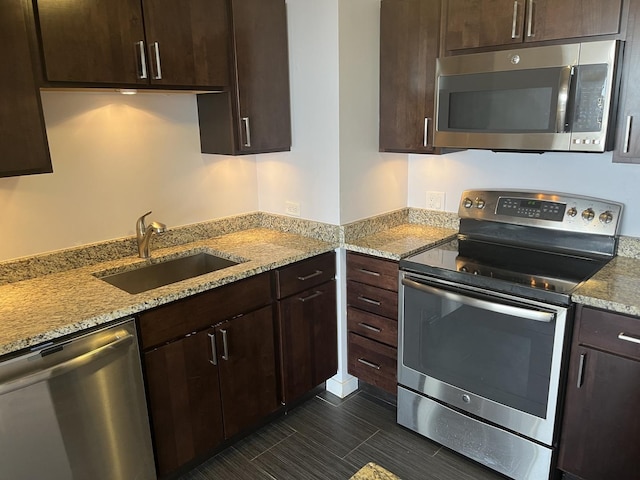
144, 234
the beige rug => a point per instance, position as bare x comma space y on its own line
371, 471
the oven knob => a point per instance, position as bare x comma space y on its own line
588, 214
479, 203
466, 398
572, 212
468, 203
476, 272
606, 217
464, 269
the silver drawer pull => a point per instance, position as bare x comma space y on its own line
311, 275
369, 364
247, 131
369, 327
142, 72
369, 272
156, 50
315, 294
627, 338
369, 300
225, 345
214, 353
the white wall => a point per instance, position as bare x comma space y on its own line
114, 158
309, 174
578, 173
371, 183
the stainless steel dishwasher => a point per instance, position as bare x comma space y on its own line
75, 409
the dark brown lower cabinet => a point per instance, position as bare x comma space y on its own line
308, 326
601, 428
247, 364
184, 400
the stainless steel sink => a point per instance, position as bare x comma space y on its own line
170, 271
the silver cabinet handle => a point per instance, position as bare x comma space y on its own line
514, 23
627, 134
537, 315
247, 131
315, 294
214, 353
311, 275
156, 52
369, 300
369, 272
628, 338
369, 364
583, 357
142, 60
530, 32
370, 327
225, 345
425, 138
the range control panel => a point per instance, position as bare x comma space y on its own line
557, 211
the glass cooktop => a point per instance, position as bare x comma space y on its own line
526, 272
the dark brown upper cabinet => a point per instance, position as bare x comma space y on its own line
23, 139
409, 37
253, 116
627, 146
133, 42
489, 23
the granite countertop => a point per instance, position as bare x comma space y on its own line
400, 241
43, 308
615, 287
372, 471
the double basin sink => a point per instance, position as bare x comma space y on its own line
165, 272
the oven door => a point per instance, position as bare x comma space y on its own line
494, 356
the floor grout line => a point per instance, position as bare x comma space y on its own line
359, 445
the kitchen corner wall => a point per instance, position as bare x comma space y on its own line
116, 157
590, 174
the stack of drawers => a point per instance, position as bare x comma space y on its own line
372, 319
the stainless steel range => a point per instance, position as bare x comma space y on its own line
486, 317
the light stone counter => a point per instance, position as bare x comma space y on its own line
616, 287
400, 241
35, 310
372, 471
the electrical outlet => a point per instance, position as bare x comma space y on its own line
292, 208
435, 200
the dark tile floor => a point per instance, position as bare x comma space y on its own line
330, 438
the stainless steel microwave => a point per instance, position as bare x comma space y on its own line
552, 98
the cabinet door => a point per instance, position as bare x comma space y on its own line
247, 362
184, 400
601, 428
409, 33
308, 326
553, 20
262, 68
188, 42
23, 141
627, 146
88, 41
473, 23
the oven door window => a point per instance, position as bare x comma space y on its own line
482, 347
519, 101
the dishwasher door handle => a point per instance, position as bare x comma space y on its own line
66, 366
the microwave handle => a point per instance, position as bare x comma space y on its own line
564, 91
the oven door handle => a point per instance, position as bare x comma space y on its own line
537, 315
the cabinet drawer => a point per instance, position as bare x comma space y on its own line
372, 326
305, 274
182, 317
373, 362
372, 271
372, 299
619, 334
